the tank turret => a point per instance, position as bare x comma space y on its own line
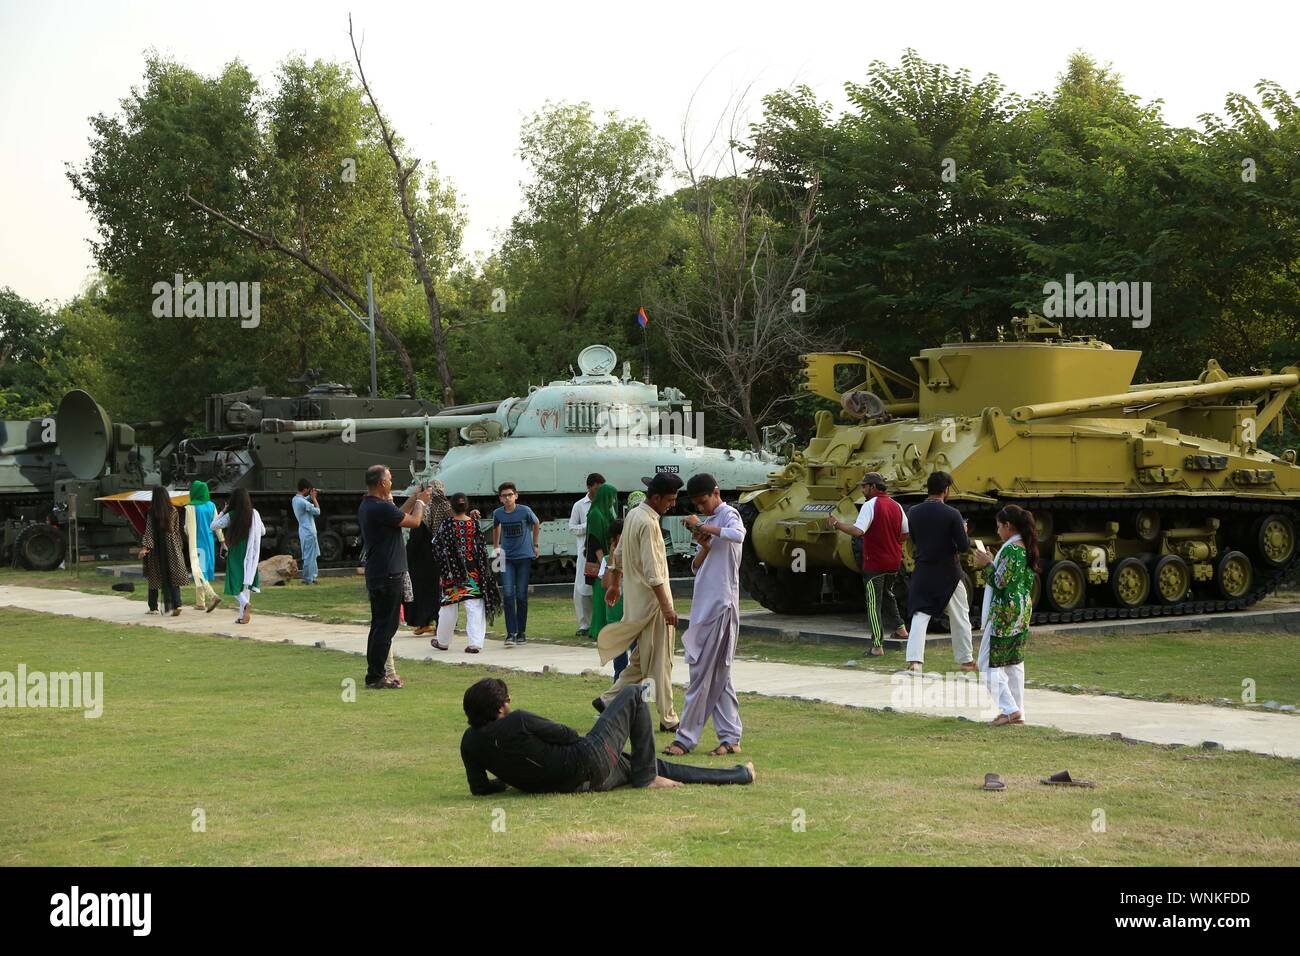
1150, 498
549, 440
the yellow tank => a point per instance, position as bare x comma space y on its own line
1150, 499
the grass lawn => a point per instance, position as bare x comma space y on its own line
285, 771
1191, 665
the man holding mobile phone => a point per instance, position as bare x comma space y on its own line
306, 509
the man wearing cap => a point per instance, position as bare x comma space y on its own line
640, 566
710, 641
881, 526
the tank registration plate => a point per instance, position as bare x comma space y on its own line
666, 469
826, 509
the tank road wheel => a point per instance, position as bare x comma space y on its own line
1130, 583
1234, 575
292, 547
1275, 540
331, 546
1044, 525
40, 547
1146, 525
1066, 586
1173, 579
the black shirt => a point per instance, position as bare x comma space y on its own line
381, 536
527, 752
938, 535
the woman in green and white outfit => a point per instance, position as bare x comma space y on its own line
244, 540
1008, 607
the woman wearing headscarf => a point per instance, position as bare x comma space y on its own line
163, 552
422, 564
601, 517
244, 549
203, 546
1008, 608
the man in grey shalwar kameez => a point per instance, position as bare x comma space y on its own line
710, 641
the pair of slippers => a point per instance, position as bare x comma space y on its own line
1063, 779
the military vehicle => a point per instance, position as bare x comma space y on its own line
549, 440
240, 454
97, 457
29, 467
1150, 499
104, 458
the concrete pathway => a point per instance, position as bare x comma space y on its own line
937, 694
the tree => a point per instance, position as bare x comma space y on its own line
593, 221
736, 307
914, 182
30, 341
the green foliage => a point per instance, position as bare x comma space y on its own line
30, 342
302, 161
1084, 180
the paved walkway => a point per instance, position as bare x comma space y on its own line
936, 695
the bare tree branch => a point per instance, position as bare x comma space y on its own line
269, 240
731, 315
404, 171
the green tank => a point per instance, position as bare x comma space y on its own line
237, 452
1150, 499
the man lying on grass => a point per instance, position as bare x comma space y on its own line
536, 755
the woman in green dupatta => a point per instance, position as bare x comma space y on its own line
1008, 609
600, 520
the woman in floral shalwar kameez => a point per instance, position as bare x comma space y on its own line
1008, 607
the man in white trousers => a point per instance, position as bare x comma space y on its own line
578, 528
939, 538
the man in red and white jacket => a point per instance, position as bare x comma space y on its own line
882, 526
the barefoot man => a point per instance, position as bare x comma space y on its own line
537, 755
710, 641
640, 568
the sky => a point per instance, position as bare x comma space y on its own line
457, 79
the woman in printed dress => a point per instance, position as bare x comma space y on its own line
1008, 607
466, 577
601, 519
163, 550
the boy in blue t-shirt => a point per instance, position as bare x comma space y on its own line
510, 533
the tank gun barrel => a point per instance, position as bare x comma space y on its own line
1241, 386
410, 423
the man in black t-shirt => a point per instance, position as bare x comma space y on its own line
537, 755
939, 539
381, 534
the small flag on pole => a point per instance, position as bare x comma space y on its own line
641, 319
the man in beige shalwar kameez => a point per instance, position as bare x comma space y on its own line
641, 571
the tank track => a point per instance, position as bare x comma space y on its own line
1190, 509
763, 587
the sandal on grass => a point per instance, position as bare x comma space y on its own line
723, 750
675, 749
1063, 779
993, 782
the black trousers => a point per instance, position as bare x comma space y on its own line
385, 611
882, 606
171, 598
627, 718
